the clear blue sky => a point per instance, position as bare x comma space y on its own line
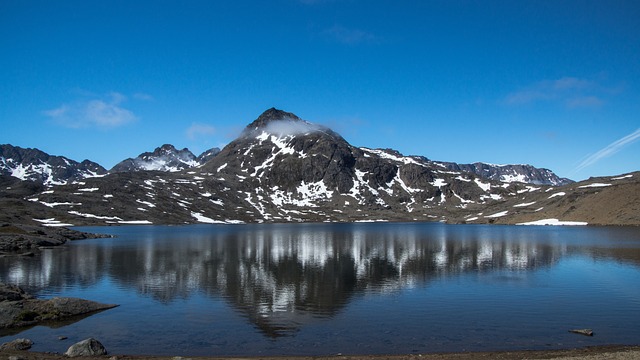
555, 84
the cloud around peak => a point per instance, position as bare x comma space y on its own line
289, 127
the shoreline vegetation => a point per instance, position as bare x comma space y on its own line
19, 309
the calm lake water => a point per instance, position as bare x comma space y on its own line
315, 289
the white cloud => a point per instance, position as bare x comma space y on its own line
106, 112
569, 91
143, 96
584, 101
198, 130
609, 150
316, 2
348, 36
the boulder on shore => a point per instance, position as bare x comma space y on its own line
87, 347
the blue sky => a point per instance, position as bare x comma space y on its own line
555, 84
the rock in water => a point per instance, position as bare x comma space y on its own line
88, 347
585, 332
17, 344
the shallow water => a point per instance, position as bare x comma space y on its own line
314, 289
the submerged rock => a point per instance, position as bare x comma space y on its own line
87, 347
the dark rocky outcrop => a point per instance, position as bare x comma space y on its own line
18, 309
24, 239
17, 345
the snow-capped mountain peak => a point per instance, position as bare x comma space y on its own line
164, 158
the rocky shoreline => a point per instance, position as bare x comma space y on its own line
590, 353
28, 240
19, 309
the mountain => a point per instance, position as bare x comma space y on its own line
36, 165
511, 173
164, 158
284, 169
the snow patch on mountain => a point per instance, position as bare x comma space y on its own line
554, 222
622, 177
203, 219
594, 185
52, 222
392, 155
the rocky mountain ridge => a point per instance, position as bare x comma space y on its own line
36, 165
284, 169
509, 173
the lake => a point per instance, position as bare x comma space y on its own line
321, 289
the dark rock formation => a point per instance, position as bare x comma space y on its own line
21, 238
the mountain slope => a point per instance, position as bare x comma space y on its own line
36, 165
611, 200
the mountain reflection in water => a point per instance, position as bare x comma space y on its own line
281, 277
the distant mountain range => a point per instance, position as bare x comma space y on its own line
284, 169
38, 166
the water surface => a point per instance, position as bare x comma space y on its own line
315, 289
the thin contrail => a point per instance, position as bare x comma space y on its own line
609, 150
